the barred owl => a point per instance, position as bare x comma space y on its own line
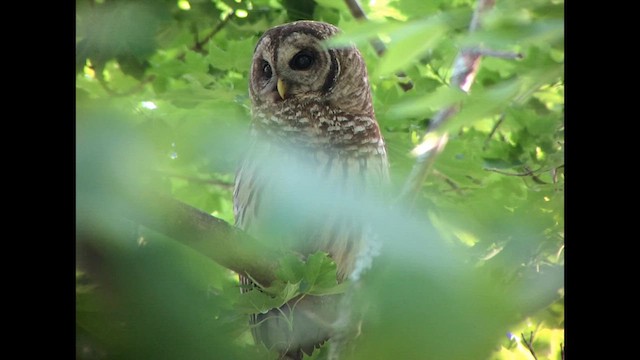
312, 111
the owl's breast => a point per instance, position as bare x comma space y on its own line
298, 197
316, 124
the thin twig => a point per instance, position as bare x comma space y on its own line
493, 131
468, 60
529, 344
536, 178
460, 190
465, 68
104, 84
356, 10
528, 172
200, 43
448, 181
561, 351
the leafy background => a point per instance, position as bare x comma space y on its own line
162, 104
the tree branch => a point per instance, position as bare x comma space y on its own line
221, 242
528, 172
529, 344
449, 181
465, 68
356, 10
554, 173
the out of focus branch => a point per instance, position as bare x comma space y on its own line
527, 172
465, 68
358, 14
493, 131
529, 344
212, 237
356, 10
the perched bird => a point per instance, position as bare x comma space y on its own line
311, 113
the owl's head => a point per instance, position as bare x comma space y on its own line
292, 65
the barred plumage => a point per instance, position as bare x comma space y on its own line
313, 120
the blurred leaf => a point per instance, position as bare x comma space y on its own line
419, 308
290, 291
124, 30
410, 42
359, 33
442, 97
485, 103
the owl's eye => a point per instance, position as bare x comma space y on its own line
302, 60
266, 70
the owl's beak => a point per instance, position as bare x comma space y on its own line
282, 88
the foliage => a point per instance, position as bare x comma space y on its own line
162, 104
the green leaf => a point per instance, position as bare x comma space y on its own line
289, 291
320, 273
291, 269
236, 56
257, 302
